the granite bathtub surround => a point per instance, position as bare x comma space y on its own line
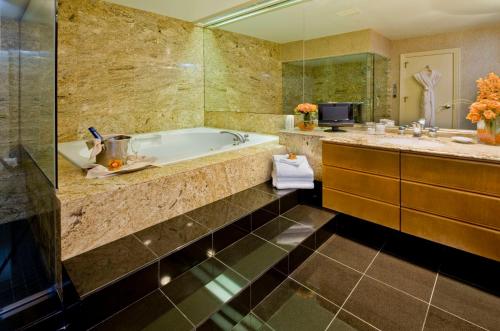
242, 73
126, 70
96, 212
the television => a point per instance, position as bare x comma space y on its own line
337, 114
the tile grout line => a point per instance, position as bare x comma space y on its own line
430, 300
354, 288
178, 309
459, 317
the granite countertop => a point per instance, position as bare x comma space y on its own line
74, 186
441, 146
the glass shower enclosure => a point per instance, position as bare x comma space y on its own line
360, 78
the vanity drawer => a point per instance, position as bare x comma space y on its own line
371, 160
369, 186
467, 237
469, 207
480, 177
366, 209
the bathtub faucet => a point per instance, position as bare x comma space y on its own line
238, 137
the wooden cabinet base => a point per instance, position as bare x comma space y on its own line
464, 236
371, 210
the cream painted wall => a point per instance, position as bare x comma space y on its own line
480, 54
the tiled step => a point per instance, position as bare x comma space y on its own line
111, 277
219, 292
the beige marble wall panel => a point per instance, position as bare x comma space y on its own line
262, 123
126, 70
242, 74
340, 44
9, 86
480, 54
135, 201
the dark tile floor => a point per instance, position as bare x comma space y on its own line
368, 278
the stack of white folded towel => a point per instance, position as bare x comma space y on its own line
288, 173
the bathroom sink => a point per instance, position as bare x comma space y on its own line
410, 141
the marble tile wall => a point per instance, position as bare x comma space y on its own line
9, 87
242, 74
253, 122
126, 70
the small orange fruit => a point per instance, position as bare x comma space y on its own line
115, 164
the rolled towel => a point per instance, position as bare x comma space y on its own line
303, 170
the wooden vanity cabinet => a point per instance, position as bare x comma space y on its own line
362, 182
452, 201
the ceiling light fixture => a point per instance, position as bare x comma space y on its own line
240, 13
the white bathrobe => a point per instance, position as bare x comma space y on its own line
428, 80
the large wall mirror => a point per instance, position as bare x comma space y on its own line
403, 60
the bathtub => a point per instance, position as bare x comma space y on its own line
172, 146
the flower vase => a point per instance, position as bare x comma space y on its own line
308, 123
488, 131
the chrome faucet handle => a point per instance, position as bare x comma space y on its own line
433, 131
246, 137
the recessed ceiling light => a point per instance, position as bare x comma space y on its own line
240, 13
348, 12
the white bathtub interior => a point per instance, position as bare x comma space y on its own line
171, 146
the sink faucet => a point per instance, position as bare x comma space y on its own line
418, 127
238, 137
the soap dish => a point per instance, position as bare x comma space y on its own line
462, 140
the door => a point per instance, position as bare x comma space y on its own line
445, 92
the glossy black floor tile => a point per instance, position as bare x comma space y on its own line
231, 233
252, 323
217, 214
268, 188
182, 260
350, 251
262, 216
229, 315
252, 199
289, 201
285, 233
22, 269
404, 275
467, 301
308, 215
251, 256
106, 264
153, 312
204, 289
438, 320
171, 235
266, 283
101, 304
294, 307
385, 307
327, 277
345, 321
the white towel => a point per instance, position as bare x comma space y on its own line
290, 185
295, 162
296, 183
284, 170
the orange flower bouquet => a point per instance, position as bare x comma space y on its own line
486, 110
307, 110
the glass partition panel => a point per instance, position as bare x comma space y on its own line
37, 85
